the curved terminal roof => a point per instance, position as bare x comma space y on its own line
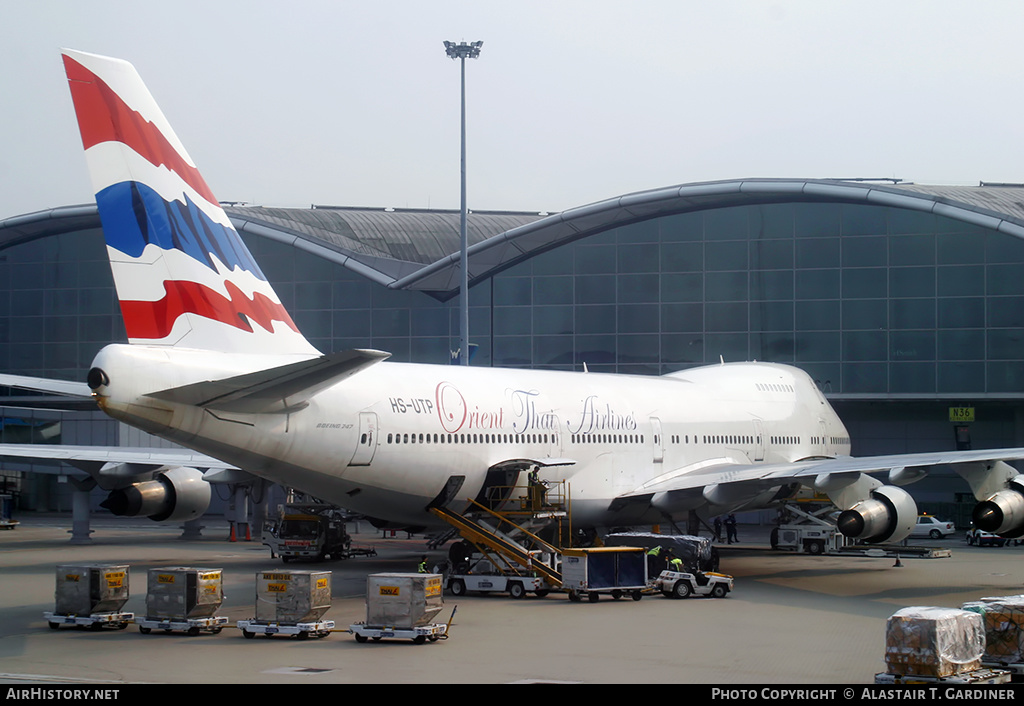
998, 207
418, 249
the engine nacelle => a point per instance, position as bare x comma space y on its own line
176, 495
888, 515
1003, 512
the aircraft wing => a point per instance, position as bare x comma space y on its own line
726, 472
148, 457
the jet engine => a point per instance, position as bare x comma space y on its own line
888, 514
1003, 512
176, 494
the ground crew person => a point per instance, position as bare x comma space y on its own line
423, 565
654, 561
537, 488
675, 564
730, 529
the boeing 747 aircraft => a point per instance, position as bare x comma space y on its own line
216, 364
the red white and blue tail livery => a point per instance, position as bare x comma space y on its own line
183, 275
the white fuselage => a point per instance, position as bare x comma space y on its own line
386, 441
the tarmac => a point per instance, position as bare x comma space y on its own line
792, 618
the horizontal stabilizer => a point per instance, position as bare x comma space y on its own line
57, 387
281, 389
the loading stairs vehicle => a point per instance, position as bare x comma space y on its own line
510, 556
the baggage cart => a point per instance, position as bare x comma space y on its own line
95, 621
302, 631
616, 571
189, 626
418, 634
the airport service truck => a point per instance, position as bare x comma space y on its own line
310, 531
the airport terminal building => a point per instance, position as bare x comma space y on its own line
904, 302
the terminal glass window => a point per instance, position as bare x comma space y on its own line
867, 299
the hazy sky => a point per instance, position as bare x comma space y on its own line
355, 103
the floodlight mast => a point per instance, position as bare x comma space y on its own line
462, 52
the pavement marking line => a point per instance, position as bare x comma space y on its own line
60, 680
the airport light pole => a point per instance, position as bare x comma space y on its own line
462, 52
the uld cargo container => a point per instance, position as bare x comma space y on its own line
403, 600
84, 589
181, 593
292, 596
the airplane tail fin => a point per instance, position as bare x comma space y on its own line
183, 275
